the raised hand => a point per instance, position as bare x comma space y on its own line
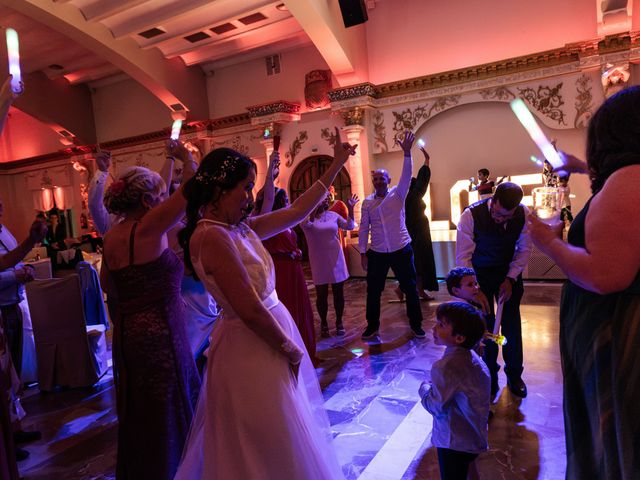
103, 160
273, 169
37, 231
407, 142
352, 201
571, 164
7, 96
426, 155
341, 151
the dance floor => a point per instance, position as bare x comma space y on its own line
381, 430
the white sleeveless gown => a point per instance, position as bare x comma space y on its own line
253, 421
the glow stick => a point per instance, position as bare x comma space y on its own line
421, 143
13, 52
536, 133
535, 160
495, 335
175, 129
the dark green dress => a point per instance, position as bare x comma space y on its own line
600, 350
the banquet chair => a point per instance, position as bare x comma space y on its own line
69, 353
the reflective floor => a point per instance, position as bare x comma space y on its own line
381, 430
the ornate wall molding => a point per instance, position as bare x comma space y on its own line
281, 106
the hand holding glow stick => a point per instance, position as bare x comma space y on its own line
175, 129
495, 335
13, 53
536, 133
421, 143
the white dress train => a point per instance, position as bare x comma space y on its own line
253, 420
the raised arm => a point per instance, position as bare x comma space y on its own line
36, 234
233, 280
7, 96
424, 175
611, 259
350, 223
99, 213
407, 165
268, 189
165, 215
273, 223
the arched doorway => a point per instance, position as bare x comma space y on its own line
311, 169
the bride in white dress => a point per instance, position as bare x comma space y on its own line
260, 413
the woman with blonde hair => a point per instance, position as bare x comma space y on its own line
155, 375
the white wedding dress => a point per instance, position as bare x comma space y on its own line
253, 420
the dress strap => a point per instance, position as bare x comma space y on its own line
131, 242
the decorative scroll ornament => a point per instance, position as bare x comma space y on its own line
408, 119
546, 100
380, 132
295, 146
584, 102
502, 94
328, 134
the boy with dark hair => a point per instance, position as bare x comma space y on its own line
459, 391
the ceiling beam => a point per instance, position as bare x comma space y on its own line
102, 10
344, 49
170, 81
59, 105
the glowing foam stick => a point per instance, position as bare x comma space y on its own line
536, 133
13, 52
535, 160
421, 143
495, 335
175, 129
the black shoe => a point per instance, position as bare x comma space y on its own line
340, 331
25, 437
324, 330
370, 333
21, 454
517, 387
418, 332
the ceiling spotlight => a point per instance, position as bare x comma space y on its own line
55, 66
282, 7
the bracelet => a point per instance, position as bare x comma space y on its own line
288, 346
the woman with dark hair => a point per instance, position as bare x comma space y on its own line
290, 283
260, 412
328, 266
600, 305
156, 379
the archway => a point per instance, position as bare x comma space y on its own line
310, 170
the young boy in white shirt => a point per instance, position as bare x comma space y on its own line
458, 395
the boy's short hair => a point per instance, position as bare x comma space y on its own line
455, 276
465, 320
484, 171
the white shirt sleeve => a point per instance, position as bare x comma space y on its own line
101, 217
523, 250
363, 233
405, 177
465, 245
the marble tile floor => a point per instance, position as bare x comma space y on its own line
381, 431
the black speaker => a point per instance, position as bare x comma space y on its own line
354, 12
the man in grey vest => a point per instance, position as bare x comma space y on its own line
493, 239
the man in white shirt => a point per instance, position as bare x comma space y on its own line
494, 240
383, 215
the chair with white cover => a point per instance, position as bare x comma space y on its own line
70, 353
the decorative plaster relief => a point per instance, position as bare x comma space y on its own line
295, 146
584, 101
328, 134
546, 100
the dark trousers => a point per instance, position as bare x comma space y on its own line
12, 321
401, 262
490, 280
454, 465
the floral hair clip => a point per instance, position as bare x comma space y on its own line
221, 177
117, 187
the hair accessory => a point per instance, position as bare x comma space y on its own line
206, 178
117, 187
